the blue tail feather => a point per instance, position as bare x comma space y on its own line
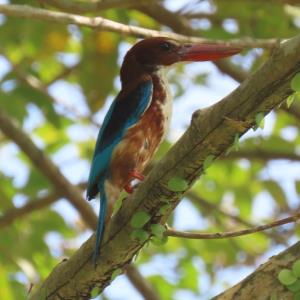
101, 221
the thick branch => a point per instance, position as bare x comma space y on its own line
209, 134
25, 11
263, 283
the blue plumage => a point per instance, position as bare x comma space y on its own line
124, 112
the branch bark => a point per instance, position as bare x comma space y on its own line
263, 284
211, 133
28, 12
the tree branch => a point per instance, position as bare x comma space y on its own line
263, 284
229, 234
12, 130
15, 213
237, 219
25, 11
210, 135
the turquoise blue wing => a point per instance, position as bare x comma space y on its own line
124, 112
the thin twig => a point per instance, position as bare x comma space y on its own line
25, 11
237, 219
229, 234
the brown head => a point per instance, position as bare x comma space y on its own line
149, 55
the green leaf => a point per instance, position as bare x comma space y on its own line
139, 219
236, 142
296, 268
158, 230
140, 235
295, 83
159, 241
289, 101
259, 120
164, 209
286, 277
208, 161
119, 202
297, 186
277, 193
296, 296
295, 287
116, 273
95, 292
177, 184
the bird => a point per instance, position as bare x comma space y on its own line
138, 118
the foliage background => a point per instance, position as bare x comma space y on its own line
57, 82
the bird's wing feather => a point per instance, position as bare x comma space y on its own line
124, 112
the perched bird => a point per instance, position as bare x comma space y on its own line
137, 120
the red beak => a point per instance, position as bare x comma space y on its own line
204, 52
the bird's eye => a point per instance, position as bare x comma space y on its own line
165, 46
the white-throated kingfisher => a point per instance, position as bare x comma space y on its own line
138, 118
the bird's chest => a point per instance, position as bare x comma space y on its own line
142, 140
153, 125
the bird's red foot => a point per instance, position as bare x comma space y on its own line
136, 174
128, 188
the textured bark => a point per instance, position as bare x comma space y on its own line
212, 132
263, 283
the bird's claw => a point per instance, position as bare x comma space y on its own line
128, 188
134, 174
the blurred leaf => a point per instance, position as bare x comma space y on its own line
277, 193
140, 235
286, 277
139, 219
164, 288
36, 182
158, 230
295, 83
98, 67
177, 184
189, 276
